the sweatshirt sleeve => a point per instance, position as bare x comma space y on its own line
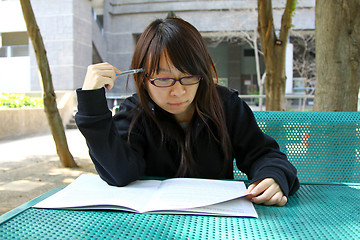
116, 161
257, 154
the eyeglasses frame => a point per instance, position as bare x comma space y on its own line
152, 81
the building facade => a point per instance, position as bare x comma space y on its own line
77, 33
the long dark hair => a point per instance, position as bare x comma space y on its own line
185, 48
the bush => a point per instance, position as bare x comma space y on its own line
19, 100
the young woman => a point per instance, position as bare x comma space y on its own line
180, 123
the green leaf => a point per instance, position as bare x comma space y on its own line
19, 100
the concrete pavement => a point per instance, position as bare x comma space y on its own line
40, 145
30, 166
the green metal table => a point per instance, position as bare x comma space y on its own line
316, 211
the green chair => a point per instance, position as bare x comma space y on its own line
323, 146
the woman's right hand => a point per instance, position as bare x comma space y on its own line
100, 75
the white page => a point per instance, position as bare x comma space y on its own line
240, 207
236, 207
182, 193
91, 190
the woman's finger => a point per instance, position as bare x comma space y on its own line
250, 188
262, 185
276, 199
100, 75
266, 195
282, 202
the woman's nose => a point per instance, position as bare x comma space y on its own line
177, 90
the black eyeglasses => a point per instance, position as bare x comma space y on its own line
168, 82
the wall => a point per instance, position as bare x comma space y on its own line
15, 17
66, 28
15, 74
14, 71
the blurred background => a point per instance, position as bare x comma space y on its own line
78, 33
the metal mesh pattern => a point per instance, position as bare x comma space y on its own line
314, 212
323, 146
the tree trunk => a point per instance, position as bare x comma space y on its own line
50, 105
337, 34
274, 50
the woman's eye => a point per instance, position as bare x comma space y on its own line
163, 79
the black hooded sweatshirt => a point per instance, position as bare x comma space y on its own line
120, 159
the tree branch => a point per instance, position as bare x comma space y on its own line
266, 27
286, 19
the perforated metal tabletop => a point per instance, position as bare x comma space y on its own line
329, 211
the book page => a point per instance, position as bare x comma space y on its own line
91, 190
239, 207
177, 196
184, 193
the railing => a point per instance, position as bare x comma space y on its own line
299, 102
293, 102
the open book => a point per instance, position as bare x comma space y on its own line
172, 196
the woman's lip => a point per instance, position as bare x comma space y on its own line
177, 104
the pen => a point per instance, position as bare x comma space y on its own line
132, 71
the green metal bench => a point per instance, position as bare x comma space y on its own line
323, 146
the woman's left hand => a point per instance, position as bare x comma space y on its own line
266, 192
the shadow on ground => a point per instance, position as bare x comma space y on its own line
25, 180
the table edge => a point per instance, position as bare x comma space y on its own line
12, 213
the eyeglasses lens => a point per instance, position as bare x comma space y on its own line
167, 82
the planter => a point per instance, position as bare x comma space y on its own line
16, 122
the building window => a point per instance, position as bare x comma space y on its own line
14, 44
249, 53
99, 19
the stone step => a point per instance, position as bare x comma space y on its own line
72, 124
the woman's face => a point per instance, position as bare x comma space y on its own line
177, 99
